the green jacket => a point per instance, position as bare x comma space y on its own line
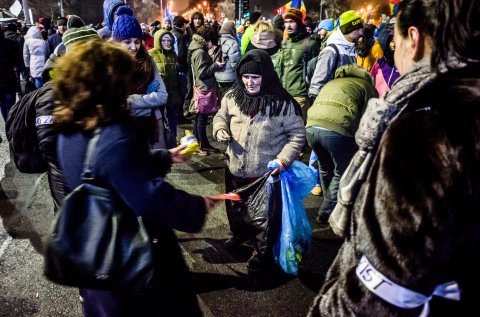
246, 38
203, 67
167, 66
291, 62
342, 101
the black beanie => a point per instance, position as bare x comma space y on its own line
254, 16
250, 67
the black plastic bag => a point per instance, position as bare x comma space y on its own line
263, 212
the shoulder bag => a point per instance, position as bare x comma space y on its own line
97, 241
205, 102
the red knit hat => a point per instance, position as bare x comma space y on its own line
294, 14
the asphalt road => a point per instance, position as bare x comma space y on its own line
221, 280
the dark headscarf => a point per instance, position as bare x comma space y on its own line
271, 92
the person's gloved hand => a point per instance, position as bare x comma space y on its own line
153, 86
223, 135
276, 166
311, 99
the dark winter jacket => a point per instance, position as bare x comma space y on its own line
137, 176
181, 41
9, 58
53, 41
47, 139
292, 60
20, 40
416, 217
203, 67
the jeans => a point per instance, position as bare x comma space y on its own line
189, 93
171, 134
182, 87
38, 82
200, 130
7, 100
334, 153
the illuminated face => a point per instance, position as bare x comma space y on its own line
290, 25
166, 25
166, 42
252, 83
197, 22
132, 45
61, 29
322, 33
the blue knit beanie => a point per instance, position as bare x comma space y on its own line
326, 24
125, 25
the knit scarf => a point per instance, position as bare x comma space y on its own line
143, 74
276, 97
378, 115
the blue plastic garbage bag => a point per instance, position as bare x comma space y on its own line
296, 232
313, 164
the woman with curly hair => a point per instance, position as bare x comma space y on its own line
91, 87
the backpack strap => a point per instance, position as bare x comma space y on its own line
337, 53
305, 55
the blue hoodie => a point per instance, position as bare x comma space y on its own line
109, 7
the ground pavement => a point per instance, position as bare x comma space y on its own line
221, 280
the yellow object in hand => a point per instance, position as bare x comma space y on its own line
191, 142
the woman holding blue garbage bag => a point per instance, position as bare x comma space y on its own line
261, 123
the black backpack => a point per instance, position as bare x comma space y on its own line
22, 135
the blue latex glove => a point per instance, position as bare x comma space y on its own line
272, 165
276, 167
153, 86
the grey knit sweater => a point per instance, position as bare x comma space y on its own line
258, 140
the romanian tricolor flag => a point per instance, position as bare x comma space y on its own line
394, 6
292, 4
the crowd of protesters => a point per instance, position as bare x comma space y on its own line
390, 111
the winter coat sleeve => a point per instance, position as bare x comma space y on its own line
26, 54
294, 128
150, 100
47, 141
221, 120
323, 71
144, 191
205, 67
233, 55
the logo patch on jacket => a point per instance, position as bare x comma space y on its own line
42, 120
